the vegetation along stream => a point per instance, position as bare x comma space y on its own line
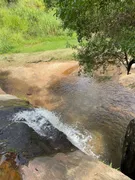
50, 105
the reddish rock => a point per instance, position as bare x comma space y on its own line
9, 169
72, 166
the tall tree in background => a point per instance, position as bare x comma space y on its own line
105, 29
50, 3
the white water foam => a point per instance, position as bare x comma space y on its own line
37, 119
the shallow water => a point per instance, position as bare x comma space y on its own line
93, 115
103, 109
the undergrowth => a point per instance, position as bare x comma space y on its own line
27, 21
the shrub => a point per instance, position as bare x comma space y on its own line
26, 20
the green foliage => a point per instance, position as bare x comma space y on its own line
2, 3
26, 20
105, 29
50, 3
48, 43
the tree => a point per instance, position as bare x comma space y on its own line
50, 3
105, 29
11, 1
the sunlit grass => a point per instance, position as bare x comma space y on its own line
27, 26
49, 43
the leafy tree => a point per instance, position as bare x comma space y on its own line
50, 3
11, 1
105, 29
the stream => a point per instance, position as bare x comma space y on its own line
92, 115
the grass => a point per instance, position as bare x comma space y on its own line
27, 26
48, 43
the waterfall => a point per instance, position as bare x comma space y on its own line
38, 119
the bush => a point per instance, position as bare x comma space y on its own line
26, 20
106, 27
9, 40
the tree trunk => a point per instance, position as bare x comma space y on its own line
129, 65
128, 155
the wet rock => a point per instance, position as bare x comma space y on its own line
20, 138
128, 156
71, 166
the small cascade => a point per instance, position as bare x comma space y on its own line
39, 119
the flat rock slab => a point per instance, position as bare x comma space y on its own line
72, 166
6, 97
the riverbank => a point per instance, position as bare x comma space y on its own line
32, 75
24, 59
29, 76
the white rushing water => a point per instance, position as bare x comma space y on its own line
38, 120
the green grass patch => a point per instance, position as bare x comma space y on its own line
48, 43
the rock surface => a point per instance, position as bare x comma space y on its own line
20, 138
34, 80
72, 166
128, 158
